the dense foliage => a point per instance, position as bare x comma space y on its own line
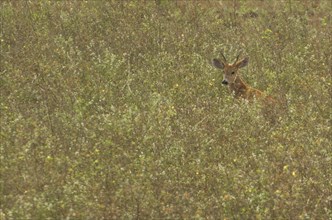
112, 110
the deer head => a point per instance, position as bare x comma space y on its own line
230, 69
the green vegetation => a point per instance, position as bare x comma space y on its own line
112, 110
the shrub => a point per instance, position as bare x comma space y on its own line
112, 110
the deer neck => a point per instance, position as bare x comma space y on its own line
238, 87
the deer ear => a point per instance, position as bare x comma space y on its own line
242, 63
216, 63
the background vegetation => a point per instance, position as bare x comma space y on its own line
112, 110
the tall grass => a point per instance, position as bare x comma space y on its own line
112, 110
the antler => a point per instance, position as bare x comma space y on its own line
238, 56
222, 54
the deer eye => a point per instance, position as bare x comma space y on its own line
233, 72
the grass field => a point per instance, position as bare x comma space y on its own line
112, 110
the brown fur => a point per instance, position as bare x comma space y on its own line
235, 83
241, 90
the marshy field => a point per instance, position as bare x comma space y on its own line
113, 110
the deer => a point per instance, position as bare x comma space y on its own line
237, 86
